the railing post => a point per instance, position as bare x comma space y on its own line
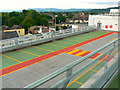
51, 34
68, 73
106, 63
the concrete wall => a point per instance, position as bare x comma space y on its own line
105, 21
19, 31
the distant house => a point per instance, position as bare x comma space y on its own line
8, 35
20, 31
16, 27
35, 29
51, 21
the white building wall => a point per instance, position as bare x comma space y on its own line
105, 20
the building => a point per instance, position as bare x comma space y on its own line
20, 32
108, 21
35, 29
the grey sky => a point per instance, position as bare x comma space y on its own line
61, 4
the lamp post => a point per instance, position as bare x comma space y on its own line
55, 22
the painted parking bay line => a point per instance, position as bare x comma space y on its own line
11, 58
86, 71
29, 53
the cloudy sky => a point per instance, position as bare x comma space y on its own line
61, 4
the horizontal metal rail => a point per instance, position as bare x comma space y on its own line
69, 67
16, 43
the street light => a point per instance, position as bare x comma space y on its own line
55, 21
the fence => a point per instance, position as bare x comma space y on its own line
15, 43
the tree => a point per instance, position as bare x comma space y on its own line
24, 11
33, 14
5, 18
44, 21
13, 21
57, 28
28, 21
64, 27
13, 14
60, 19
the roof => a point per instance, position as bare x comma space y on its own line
7, 35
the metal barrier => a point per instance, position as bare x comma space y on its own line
68, 69
15, 43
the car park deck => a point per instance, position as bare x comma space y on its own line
35, 62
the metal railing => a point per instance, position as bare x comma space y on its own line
68, 69
16, 43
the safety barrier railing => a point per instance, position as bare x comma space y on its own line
15, 43
69, 68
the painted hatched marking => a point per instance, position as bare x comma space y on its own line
11, 58
77, 52
109, 58
29, 53
69, 50
95, 56
73, 51
81, 53
86, 53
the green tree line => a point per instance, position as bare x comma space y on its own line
28, 18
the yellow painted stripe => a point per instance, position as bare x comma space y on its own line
94, 70
55, 45
73, 51
86, 72
42, 48
79, 82
114, 50
97, 56
29, 53
113, 39
81, 53
64, 42
11, 58
116, 53
72, 40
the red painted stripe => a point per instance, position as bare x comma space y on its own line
69, 50
85, 54
49, 55
103, 57
77, 52
108, 58
94, 56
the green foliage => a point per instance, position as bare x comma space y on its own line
44, 21
24, 11
33, 14
45, 16
13, 21
13, 14
57, 28
28, 21
5, 18
60, 19
64, 27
